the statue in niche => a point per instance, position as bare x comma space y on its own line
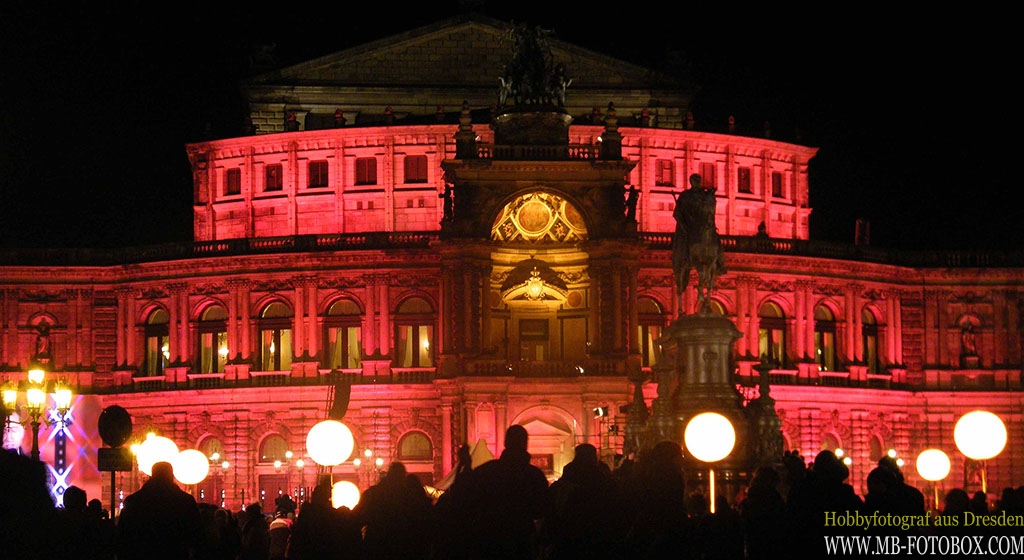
42, 341
696, 244
968, 345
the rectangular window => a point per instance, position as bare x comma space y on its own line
366, 171
414, 346
743, 180
776, 184
318, 174
344, 347
707, 174
273, 178
157, 354
664, 173
416, 169
233, 182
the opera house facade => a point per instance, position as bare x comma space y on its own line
404, 241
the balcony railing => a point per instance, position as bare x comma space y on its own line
424, 239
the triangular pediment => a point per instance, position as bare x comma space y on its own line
462, 51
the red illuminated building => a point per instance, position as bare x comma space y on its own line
385, 242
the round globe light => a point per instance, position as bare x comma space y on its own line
710, 437
979, 435
154, 450
190, 466
344, 493
329, 443
933, 464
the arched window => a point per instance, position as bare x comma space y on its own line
213, 448
158, 351
273, 448
414, 334
771, 335
213, 340
824, 338
415, 446
342, 338
651, 320
717, 308
275, 326
869, 334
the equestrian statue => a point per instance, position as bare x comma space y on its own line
696, 245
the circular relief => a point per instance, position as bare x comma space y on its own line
534, 217
575, 299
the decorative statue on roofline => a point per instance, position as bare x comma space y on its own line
531, 77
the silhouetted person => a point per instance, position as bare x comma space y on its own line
956, 503
78, 533
159, 521
255, 534
763, 515
509, 496
223, 535
909, 500
321, 532
661, 524
451, 511
396, 517
281, 527
719, 535
823, 489
587, 519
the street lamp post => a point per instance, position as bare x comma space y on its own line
933, 465
980, 436
35, 402
710, 437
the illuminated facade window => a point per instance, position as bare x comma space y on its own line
213, 340
665, 173
318, 174
415, 446
275, 329
743, 183
273, 178
416, 169
777, 190
771, 335
869, 336
342, 335
707, 174
273, 448
232, 181
156, 343
824, 338
651, 322
534, 340
366, 171
414, 334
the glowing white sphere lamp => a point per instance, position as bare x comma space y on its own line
329, 443
710, 437
344, 493
154, 450
980, 435
933, 465
191, 466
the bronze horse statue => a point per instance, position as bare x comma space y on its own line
696, 245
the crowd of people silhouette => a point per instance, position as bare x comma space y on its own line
504, 509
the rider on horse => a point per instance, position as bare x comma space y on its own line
696, 244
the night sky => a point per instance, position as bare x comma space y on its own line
916, 124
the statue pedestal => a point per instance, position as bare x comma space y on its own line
701, 380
